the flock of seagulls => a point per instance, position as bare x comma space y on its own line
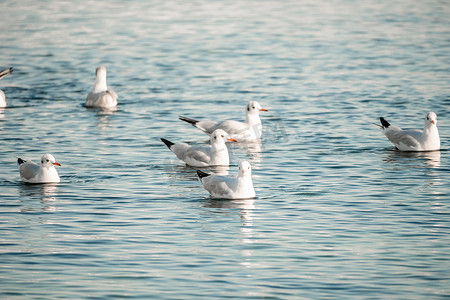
216, 154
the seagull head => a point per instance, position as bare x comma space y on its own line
245, 169
253, 107
431, 119
100, 72
48, 161
220, 136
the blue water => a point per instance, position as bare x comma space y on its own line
339, 213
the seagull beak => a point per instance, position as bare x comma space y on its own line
263, 109
57, 164
433, 121
231, 140
243, 171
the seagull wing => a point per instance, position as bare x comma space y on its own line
197, 156
234, 127
403, 139
28, 170
219, 186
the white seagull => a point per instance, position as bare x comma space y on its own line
251, 129
228, 187
414, 140
43, 173
4, 72
100, 96
215, 154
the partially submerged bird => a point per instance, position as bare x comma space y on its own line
100, 96
31, 172
230, 187
215, 154
414, 140
3, 73
249, 130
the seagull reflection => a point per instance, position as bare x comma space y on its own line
44, 192
430, 159
246, 207
252, 148
103, 117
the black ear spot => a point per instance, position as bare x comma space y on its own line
248, 107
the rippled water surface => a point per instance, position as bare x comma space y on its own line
339, 213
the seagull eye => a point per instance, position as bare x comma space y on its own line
47, 160
253, 107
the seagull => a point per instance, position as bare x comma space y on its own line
227, 187
43, 173
215, 154
4, 72
100, 96
251, 129
414, 140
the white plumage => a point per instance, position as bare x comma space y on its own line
31, 172
230, 187
215, 154
100, 96
414, 140
3, 73
251, 129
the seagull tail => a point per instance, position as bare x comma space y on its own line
168, 143
20, 161
378, 125
5, 72
384, 123
202, 174
188, 120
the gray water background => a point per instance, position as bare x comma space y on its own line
339, 213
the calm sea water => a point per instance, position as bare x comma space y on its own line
339, 213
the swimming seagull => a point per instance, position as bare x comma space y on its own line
4, 72
43, 173
100, 96
249, 130
414, 140
228, 187
215, 154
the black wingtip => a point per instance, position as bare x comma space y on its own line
202, 174
384, 123
188, 120
168, 143
6, 71
20, 161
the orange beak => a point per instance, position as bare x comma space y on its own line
433, 121
231, 140
263, 109
243, 171
57, 164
